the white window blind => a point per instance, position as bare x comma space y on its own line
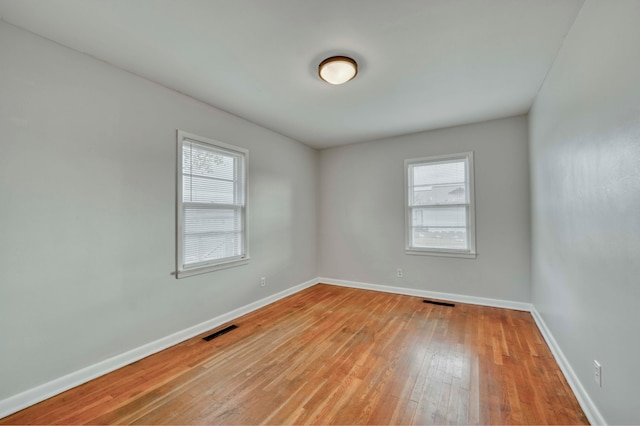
440, 210
212, 203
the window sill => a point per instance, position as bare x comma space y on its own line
459, 254
210, 268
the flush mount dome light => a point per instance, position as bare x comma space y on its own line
337, 69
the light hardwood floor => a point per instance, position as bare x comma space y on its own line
333, 355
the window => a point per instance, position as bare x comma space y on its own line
211, 205
440, 212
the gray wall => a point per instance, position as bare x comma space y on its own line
361, 212
585, 173
87, 186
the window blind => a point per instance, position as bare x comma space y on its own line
213, 204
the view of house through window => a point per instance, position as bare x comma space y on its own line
211, 204
440, 210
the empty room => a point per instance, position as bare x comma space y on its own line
319, 212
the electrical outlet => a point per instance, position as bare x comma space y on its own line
263, 281
399, 273
597, 372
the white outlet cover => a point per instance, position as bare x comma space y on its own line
597, 373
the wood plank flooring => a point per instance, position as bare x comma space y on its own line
333, 355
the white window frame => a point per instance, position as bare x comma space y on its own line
204, 267
471, 221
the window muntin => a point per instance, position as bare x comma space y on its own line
211, 210
440, 207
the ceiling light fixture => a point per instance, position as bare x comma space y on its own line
337, 69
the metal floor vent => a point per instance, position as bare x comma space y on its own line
433, 302
220, 332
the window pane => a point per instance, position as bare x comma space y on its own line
201, 161
429, 195
439, 173
439, 238
199, 189
211, 247
211, 175
211, 234
439, 216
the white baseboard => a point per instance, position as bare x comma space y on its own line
589, 408
497, 303
32, 396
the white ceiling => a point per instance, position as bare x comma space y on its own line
424, 64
